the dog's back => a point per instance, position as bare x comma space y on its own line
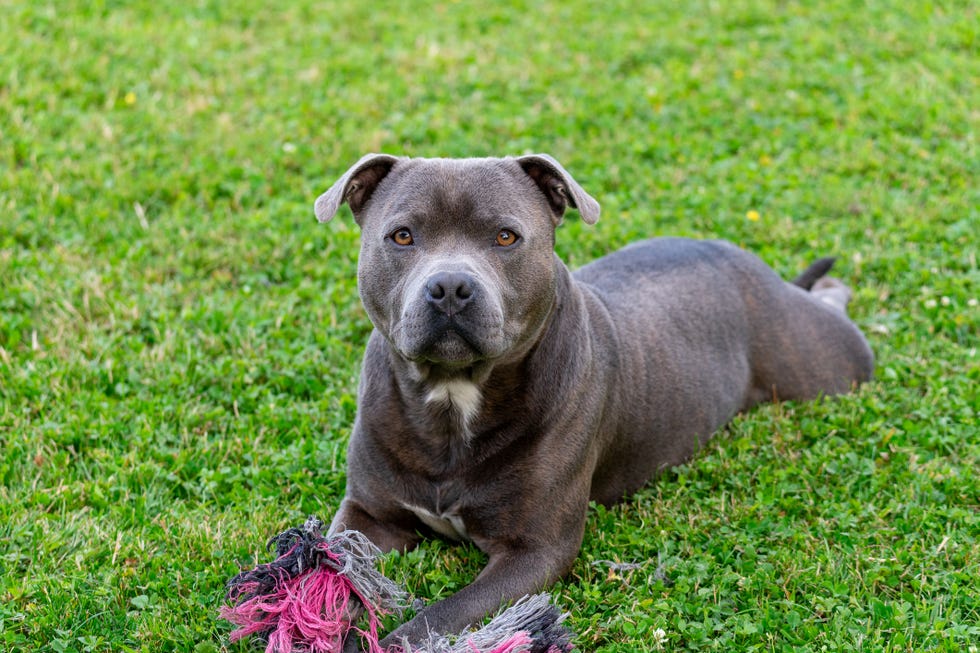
702, 330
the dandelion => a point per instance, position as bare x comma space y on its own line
130, 98
753, 215
765, 160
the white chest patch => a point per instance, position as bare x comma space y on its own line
447, 524
463, 395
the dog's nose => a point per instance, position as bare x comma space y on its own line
449, 292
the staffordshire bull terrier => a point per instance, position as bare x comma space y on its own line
500, 392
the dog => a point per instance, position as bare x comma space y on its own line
501, 392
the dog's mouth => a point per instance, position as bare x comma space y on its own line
446, 342
454, 345
452, 352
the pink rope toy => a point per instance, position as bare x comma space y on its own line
312, 597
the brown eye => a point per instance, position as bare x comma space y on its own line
402, 237
506, 238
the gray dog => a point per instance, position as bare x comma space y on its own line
501, 392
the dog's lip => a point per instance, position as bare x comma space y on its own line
454, 339
452, 345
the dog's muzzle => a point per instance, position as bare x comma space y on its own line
452, 320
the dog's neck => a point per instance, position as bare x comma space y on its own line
458, 400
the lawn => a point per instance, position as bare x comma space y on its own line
180, 341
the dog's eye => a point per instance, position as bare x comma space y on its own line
506, 238
402, 237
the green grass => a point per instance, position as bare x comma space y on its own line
180, 341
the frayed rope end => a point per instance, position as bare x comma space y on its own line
312, 596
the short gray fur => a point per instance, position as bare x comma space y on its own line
499, 415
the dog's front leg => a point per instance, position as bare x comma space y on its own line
386, 536
398, 532
509, 575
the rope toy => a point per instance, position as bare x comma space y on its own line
312, 597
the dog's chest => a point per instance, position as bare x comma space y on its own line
440, 511
449, 524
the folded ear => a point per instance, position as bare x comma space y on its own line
559, 187
355, 186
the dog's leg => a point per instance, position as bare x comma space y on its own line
508, 576
806, 346
832, 292
386, 537
393, 535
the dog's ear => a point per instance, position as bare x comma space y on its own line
559, 187
355, 187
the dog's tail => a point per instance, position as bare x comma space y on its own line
817, 269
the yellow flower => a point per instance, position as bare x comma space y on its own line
130, 98
753, 215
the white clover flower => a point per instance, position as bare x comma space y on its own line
658, 638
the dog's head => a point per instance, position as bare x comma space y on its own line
457, 264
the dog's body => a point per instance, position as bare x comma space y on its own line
501, 393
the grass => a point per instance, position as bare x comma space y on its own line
180, 341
